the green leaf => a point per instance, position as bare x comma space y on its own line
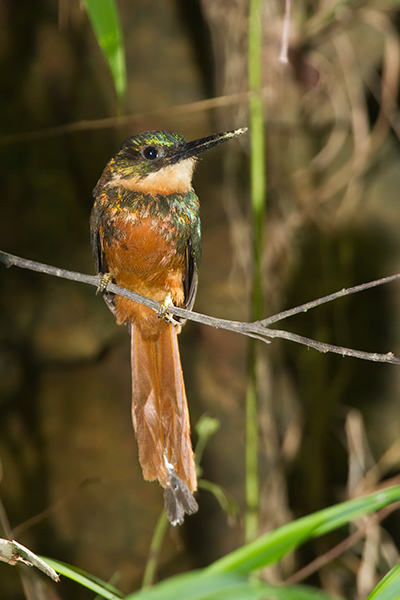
223, 581
103, 15
273, 546
295, 592
202, 586
85, 579
197, 586
388, 588
227, 503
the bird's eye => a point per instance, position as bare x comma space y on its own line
150, 152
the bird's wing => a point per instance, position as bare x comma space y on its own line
190, 276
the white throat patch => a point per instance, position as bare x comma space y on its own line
172, 179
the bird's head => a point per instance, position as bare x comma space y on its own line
158, 162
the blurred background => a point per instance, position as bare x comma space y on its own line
70, 483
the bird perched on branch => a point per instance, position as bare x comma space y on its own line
146, 237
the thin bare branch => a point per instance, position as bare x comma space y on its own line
182, 109
257, 329
108, 122
302, 308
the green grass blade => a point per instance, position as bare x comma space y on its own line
103, 15
295, 592
91, 582
202, 586
273, 546
257, 120
389, 587
155, 548
197, 586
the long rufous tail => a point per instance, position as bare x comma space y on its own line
161, 419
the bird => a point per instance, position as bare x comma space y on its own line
145, 235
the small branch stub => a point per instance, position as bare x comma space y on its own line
12, 553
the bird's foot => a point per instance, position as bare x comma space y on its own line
163, 311
106, 278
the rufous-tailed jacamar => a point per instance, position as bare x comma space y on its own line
145, 234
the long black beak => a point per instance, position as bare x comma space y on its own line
197, 146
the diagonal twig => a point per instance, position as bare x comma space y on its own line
314, 303
256, 329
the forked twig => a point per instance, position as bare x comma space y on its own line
256, 329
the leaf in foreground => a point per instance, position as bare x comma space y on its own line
389, 587
223, 580
273, 546
202, 586
96, 585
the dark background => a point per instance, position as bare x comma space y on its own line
70, 481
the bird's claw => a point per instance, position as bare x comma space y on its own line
106, 278
163, 311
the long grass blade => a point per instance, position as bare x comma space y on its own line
96, 585
200, 586
103, 15
389, 587
273, 546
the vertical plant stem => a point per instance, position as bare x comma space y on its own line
155, 546
252, 485
258, 193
